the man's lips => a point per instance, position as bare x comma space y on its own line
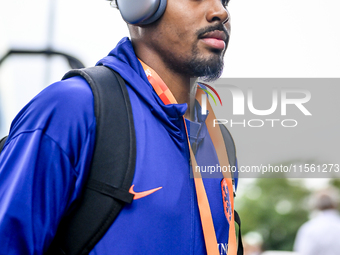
215, 39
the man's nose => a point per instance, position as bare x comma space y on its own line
217, 12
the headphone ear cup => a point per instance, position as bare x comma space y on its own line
141, 12
157, 14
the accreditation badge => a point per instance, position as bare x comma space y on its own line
226, 200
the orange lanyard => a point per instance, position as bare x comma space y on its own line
166, 96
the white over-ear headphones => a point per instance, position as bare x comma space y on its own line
141, 12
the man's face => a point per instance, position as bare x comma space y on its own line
192, 36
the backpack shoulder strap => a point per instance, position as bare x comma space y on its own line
229, 144
231, 149
2, 143
112, 169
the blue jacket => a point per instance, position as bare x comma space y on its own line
47, 156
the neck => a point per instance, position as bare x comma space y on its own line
181, 86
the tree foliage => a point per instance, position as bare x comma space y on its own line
275, 208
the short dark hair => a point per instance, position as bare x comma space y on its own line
326, 199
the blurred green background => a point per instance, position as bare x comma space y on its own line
273, 209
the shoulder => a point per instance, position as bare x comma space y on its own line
314, 226
65, 97
63, 111
64, 100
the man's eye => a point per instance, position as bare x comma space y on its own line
225, 2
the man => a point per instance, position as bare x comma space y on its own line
320, 235
46, 159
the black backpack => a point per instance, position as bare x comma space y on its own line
112, 168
